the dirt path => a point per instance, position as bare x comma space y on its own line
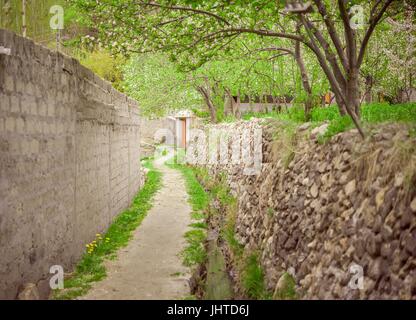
149, 267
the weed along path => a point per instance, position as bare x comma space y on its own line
150, 267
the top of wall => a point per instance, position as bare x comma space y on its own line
94, 98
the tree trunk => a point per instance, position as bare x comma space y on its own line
265, 104
237, 107
353, 92
24, 27
305, 81
228, 106
346, 87
207, 98
349, 99
368, 89
250, 104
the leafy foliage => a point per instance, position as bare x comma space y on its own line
372, 113
105, 65
158, 85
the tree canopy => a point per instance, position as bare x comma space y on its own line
335, 33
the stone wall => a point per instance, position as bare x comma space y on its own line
316, 210
69, 161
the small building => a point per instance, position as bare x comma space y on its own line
173, 130
265, 103
183, 120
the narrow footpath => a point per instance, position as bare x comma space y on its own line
150, 267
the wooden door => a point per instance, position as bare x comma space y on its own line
183, 122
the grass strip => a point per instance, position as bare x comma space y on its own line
91, 268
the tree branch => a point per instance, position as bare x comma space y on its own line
267, 33
349, 34
278, 55
326, 47
302, 69
332, 33
179, 8
274, 49
322, 61
373, 22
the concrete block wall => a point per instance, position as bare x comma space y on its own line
69, 161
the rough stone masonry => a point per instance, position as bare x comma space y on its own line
319, 211
69, 161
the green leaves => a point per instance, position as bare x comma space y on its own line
158, 86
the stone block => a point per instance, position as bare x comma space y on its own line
10, 124
4, 102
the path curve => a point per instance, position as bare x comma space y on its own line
149, 267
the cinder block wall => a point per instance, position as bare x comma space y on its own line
69, 161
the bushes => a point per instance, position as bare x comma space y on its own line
105, 65
322, 114
337, 125
378, 112
371, 113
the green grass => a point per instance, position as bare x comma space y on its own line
292, 114
253, 278
336, 126
287, 290
218, 285
177, 274
247, 265
90, 268
199, 224
228, 233
219, 189
198, 198
195, 252
370, 113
